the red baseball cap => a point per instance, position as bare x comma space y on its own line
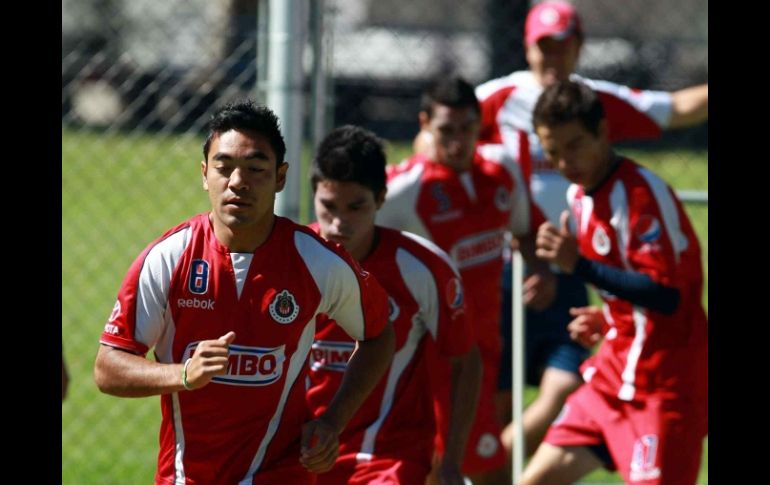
551, 19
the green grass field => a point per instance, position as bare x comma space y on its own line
119, 192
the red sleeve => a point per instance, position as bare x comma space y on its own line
626, 122
455, 334
650, 249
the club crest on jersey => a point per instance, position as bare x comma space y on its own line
601, 241
393, 309
647, 229
284, 308
199, 276
502, 199
454, 293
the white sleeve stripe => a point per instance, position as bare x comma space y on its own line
335, 280
619, 219
297, 361
628, 388
179, 478
400, 208
153, 286
423, 287
669, 211
401, 360
434, 249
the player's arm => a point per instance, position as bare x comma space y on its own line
466, 385
540, 285
366, 366
124, 374
690, 106
559, 246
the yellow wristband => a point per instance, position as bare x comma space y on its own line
186, 384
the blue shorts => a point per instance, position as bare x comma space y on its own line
547, 342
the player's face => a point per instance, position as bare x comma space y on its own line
582, 157
345, 212
241, 178
553, 60
455, 132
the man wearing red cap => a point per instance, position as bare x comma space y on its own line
553, 38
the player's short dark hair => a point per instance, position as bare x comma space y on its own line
452, 91
350, 154
246, 115
567, 101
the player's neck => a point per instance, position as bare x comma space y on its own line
243, 239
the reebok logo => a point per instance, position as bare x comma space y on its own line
195, 303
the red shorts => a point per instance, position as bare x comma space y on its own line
654, 441
484, 451
378, 470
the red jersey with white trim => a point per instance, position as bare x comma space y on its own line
507, 104
466, 214
186, 287
425, 295
635, 222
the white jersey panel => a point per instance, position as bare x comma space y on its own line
152, 291
399, 209
334, 278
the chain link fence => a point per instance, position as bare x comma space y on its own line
140, 77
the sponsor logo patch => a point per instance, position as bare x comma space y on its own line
284, 308
478, 248
329, 355
248, 366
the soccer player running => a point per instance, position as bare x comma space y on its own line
553, 39
644, 407
464, 200
228, 300
390, 438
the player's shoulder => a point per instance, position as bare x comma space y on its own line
422, 249
504, 83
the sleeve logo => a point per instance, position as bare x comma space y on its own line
647, 229
284, 308
393, 309
454, 293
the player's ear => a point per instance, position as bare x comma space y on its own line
380, 198
204, 170
280, 176
424, 120
603, 131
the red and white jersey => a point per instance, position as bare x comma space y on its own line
466, 214
186, 287
507, 104
425, 295
635, 222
